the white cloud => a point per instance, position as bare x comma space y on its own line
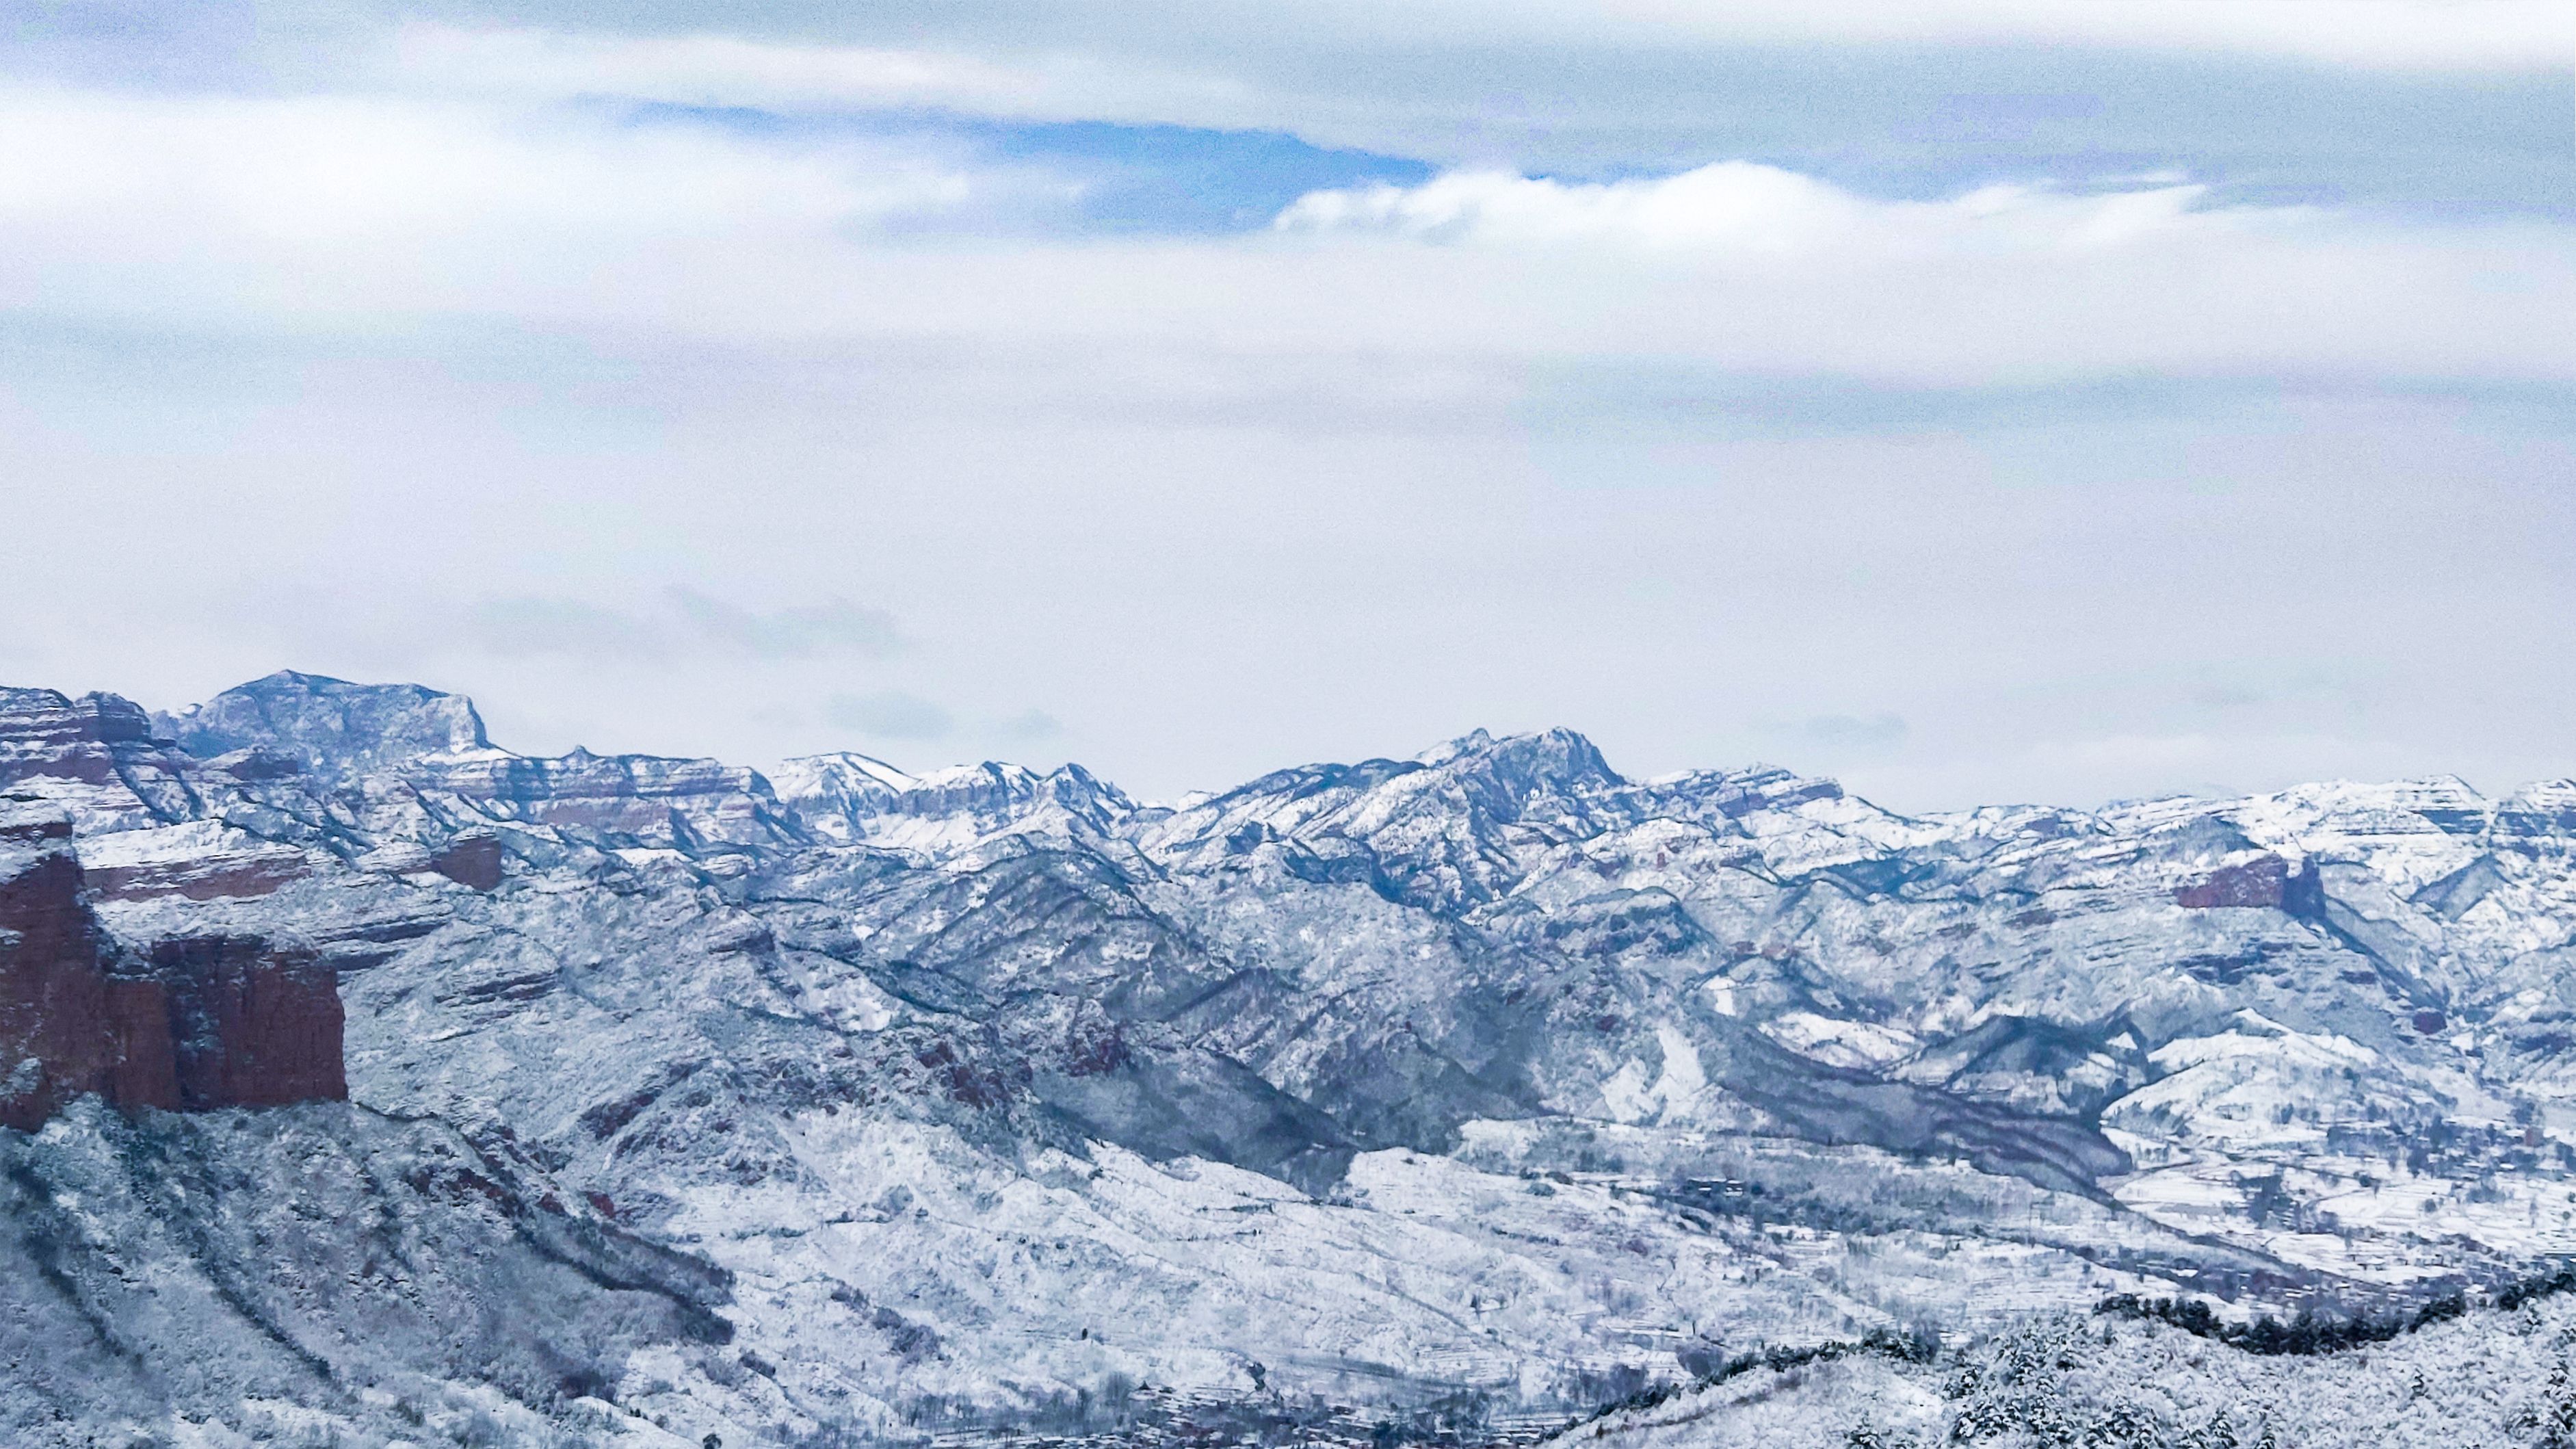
337, 205
387, 212
333, 172
1739, 207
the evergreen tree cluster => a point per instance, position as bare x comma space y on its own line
2311, 1332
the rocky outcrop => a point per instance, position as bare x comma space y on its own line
201, 860
837, 794
21, 826
2544, 809
199, 1022
42, 725
474, 860
2265, 882
94, 756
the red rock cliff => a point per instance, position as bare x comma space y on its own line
210, 1021
55, 1039
251, 1024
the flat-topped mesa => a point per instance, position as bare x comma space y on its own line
653, 800
400, 738
339, 730
837, 794
197, 1023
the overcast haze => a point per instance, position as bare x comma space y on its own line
1979, 401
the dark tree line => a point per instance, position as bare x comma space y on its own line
2311, 1332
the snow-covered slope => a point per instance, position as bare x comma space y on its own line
1487, 1078
2478, 1378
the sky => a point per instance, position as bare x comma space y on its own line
1977, 400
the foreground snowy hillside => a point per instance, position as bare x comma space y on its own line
2494, 1377
1455, 1094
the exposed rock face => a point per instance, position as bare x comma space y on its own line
2257, 883
473, 861
205, 1022
146, 1072
250, 1024
839, 793
2539, 810
21, 826
201, 860
56, 1039
2265, 882
39, 724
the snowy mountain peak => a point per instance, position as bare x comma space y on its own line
1450, 749
1559, 759
838, 772
849, 798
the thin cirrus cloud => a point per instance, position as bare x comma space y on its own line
900, 715
1230, 65
802, 632
684, 623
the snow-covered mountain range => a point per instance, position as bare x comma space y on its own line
1473, 1088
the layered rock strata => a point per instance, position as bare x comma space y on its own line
194, 1023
